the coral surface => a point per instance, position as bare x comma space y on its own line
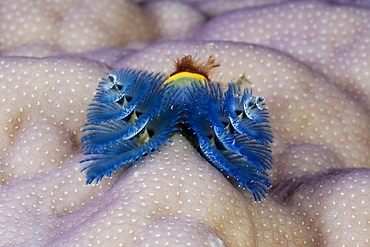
309, 59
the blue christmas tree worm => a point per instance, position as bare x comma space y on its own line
135, 112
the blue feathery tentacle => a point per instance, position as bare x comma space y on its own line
118, 97
256, 152
117, 85
126, 152
251, 121
232, 152
120, 142
106, 132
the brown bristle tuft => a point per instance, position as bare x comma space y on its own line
191, 64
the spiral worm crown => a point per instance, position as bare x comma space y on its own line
135, 112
